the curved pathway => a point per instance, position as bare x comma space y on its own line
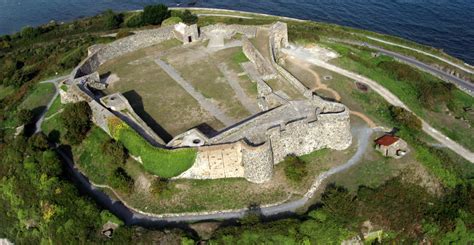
423, 52
133, 216
460, 83
388, 96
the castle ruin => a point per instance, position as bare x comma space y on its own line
250, 148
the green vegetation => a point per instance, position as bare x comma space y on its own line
186, 16
112, 20
76, 119
239, 57
102, 160
155, 14
5, 91
438, 103
171, 21
295, 168
161, 162
39, 97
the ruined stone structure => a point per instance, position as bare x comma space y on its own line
248, 149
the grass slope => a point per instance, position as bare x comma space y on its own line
162, 162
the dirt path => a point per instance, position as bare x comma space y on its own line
388, 96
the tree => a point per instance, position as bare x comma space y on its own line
155, 14
76, 119
30, 32
24, 116
295, 168
135, 20
39, 141
116, 151
405, 118
112, 20
186, 16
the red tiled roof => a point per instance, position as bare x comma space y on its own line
386, 140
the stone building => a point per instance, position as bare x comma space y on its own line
391, 146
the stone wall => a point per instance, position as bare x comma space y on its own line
232, 160
302, 137
258, 163
264, 67
249, 31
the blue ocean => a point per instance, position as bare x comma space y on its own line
444, 24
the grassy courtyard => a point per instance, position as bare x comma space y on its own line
155, 96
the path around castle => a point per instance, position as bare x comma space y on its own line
388, 96
132, 216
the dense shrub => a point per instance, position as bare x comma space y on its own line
76, 119
405, 118
155, 14
24, 116
295, 168
72, 58
112, 20
134, 20
186, 16
30, 32
115, 151
401, 71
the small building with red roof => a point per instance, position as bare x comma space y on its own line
391, 146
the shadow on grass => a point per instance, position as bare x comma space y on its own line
136, 102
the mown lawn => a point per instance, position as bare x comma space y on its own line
162, 162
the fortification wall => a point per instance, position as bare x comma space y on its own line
264, 68
232, 160
302, 137
258, 162
250, 31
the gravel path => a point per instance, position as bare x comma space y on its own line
388, 96
205, 103
233, 80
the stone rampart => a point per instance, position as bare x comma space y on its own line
250, 31
232, 160
264, 68
258, 162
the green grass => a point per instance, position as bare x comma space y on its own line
239, 57
55, 107
162, 162
91, 160
5, 91
39, 97
364, 64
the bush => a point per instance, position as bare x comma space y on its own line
24, 116
405, 118
29, 32
295, 168
171, 21
112, 20
123, 33
186, 16
135, 20
76, 119
72, 58
115, 151
155, 14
